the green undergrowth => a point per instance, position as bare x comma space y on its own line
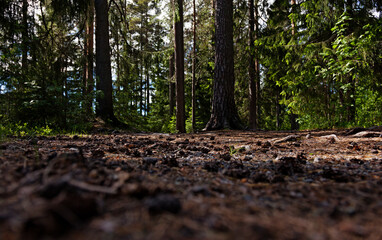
26, 130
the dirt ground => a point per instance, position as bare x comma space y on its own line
211, 185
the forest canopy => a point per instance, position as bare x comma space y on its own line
296, 64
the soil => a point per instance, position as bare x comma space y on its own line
211, 185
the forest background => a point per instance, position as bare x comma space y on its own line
297, 64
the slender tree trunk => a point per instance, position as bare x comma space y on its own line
342, 103
327, 100
253, 67
141, 69
224, 113
24, 56
278, 110
147, 64
351, 105
171, 84
103, 63
194, 68
89, 56
257, 64
179, 67
118, 62
147, 90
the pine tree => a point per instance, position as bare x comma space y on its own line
179, 66
224, 113
103, 63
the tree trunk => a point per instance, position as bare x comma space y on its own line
224, 113
147, 89
179, 67
89, 56
194, 68
103, 63
24, 46
171, 84
257, 64
351, 105
142, 60
278, 109
253, 67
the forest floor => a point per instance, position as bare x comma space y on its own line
211, 185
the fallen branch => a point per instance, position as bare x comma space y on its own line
100, 189
367, 134
290, 138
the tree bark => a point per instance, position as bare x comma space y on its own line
351, 109
171, 84
278, 112
253, 67
103, 63
24, 56
224, 113
147, 89
179, 67
89, 56
194, 68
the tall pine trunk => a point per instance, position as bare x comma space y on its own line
24, 56
147, 89
253, 68
179, 67
171, 70
88, 80
224, 113
103, 63
194, 68
171, 84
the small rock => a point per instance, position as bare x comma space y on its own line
332, 138
93, 173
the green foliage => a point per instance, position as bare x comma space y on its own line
23, 129
327, 71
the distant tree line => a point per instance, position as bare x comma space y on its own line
182, 66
